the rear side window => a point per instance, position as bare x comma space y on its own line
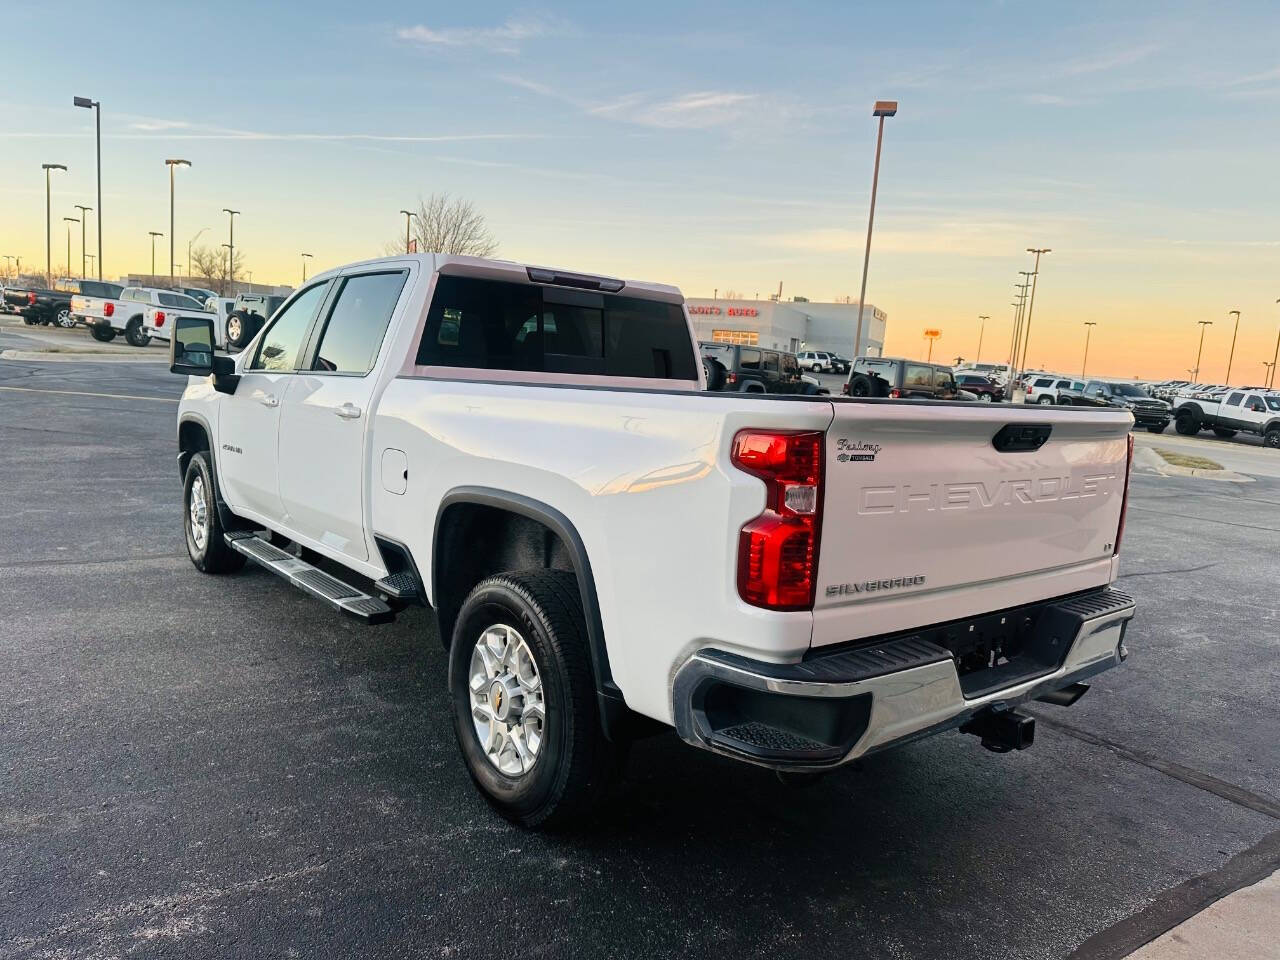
771, 361
942, 378
749, 359
513, 326
358, 322
1042, 382
1234, 399
917, 376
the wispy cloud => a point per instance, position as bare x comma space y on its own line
1110, 60
688, 111
507, 37
1049, 100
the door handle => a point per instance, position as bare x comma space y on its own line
268, 400
348, 411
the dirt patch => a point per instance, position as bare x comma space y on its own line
1187, 460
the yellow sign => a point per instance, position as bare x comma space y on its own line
932, 334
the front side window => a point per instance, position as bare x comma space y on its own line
358, 322
1255, 403
282, 342
514, 326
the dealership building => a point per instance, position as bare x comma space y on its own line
792, 325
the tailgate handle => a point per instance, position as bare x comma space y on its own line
1016, 437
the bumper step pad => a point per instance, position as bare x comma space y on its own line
310, 579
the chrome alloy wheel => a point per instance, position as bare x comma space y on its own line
233, 330
506, 700
199, 513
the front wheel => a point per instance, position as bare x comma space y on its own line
985, 397
134, 335
1272, 438
205, 545
1045, 399
524, 702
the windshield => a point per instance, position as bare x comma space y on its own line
1126, 390
1273, 403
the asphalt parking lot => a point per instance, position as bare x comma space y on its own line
217, 767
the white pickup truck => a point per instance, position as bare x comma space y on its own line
792, 581
1247, 410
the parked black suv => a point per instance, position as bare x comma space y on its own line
897, 378
1147, 411
731, 366
248, 316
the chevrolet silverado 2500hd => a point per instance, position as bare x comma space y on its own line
792, 581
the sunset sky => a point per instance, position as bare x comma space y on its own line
710, 145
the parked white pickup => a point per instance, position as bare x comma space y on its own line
793, 581
1238, 410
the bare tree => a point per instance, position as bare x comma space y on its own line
731, 294
210, 265
446, 224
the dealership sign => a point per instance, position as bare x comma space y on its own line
731, 311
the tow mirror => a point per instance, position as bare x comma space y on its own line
191, 353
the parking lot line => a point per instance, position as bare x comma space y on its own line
85, 393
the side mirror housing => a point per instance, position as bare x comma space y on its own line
191, 353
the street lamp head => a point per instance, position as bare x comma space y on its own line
71, 219
84, 102
226, 246
1039, 250
230, 211
408, 213
52, 166
155, 233
885, 108
178, 163
306, 255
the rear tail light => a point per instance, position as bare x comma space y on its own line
31, 298
778, 550
730, 378
844, 389
159, 318
895, 393
108, 309
1124, 500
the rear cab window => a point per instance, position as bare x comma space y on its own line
499, 325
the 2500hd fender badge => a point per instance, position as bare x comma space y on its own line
230, 449
872, 586
855, 450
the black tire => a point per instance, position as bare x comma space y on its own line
1157, 428
1223, 432
1044, 398
212, 555
1272, 438
1185, 423
247, 325
29, 321
863, 386
134, 335
102, 334
715, 374
574, 762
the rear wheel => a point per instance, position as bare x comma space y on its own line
985, 397
1186, 424
62, 317
1045, 399
524, 702
1223, 432
102, 334
1157, 428
862, 386
134, 335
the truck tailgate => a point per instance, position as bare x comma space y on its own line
926, 520
87, 306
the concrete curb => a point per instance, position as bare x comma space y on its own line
1148, 460
72, 356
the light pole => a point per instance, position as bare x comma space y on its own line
69, 221
882, 109
48, 217
172, 165
1274, 356
409, 215
981, 330
97, 121
1022, 289
189, 243
8, 263
1267, 367
91, 258
84, 211
154, 234
1089, 325
1195, 376
227, 247
1231, 356
231, 247
305, 258
1031, 304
